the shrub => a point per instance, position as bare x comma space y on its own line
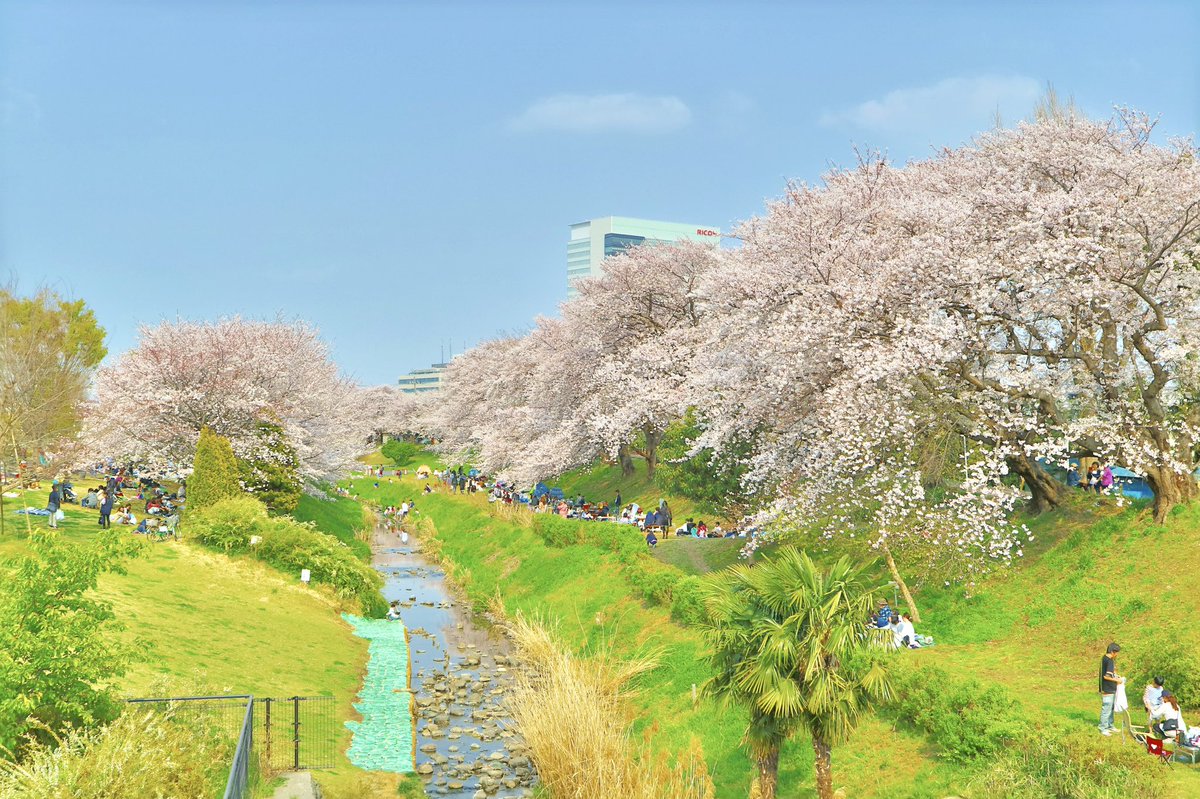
290, 546
555, 530
687, 601
964, 718
152, 754
400, 453
1162, 653
229, 524
214, 472
1067, 767
61, 652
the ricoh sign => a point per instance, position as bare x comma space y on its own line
706, 232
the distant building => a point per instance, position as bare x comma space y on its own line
421, 381
596, 239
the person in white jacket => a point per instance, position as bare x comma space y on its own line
1167, 718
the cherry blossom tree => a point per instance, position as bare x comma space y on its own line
153, 401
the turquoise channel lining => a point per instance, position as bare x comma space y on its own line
384, 739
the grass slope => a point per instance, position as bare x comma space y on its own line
583, 589
233, 623
601, 481
340, 517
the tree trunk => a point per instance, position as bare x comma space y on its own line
904, 592
653, 437
1045, 493
1170, 489
768, 773
824, 767
626, 460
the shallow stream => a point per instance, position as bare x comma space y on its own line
465, 742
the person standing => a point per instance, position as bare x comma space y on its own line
618, 504
1109, 680
54, 503
106, 506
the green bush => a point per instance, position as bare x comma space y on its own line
61, 651
1068, 766
555, 530
290, 546
214, 472
1163, 654
687, 601
401, 453
966, 719
228, 524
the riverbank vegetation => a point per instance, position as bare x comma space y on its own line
1002, 705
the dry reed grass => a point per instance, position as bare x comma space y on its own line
517, 515
575, 716
141, 754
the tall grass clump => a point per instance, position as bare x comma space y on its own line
575, 716
1067, 766
144, 753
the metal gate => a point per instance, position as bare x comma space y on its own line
271, 734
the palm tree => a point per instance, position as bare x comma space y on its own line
792, 642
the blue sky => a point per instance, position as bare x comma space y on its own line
403, 174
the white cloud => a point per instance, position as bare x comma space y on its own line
974, 100
603, 113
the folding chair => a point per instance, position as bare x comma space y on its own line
1155, 747
1134, 731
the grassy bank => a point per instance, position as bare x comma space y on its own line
1036, 632
492, 552
232, 623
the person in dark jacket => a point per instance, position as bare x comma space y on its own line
53, 504
106, 506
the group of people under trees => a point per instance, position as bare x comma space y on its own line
900, 625
1163, 713
1097, 478
161, 508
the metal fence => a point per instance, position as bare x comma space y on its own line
298, 732
279, 734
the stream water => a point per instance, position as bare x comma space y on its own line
465, 742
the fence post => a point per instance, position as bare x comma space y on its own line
267, 730
296, 726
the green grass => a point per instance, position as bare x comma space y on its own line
234, 624
600, 482
340, 517
699, 555
1094, 574
584, 590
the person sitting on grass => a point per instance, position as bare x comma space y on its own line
1152, 696
651, 539
393, 613
91, 500
883, 617
1167, 719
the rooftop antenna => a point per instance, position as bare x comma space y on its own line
442, 352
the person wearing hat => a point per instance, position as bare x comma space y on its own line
1109, 680
1152, 696
1168, 720
883, 618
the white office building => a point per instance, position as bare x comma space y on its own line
596, 239
422, 381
